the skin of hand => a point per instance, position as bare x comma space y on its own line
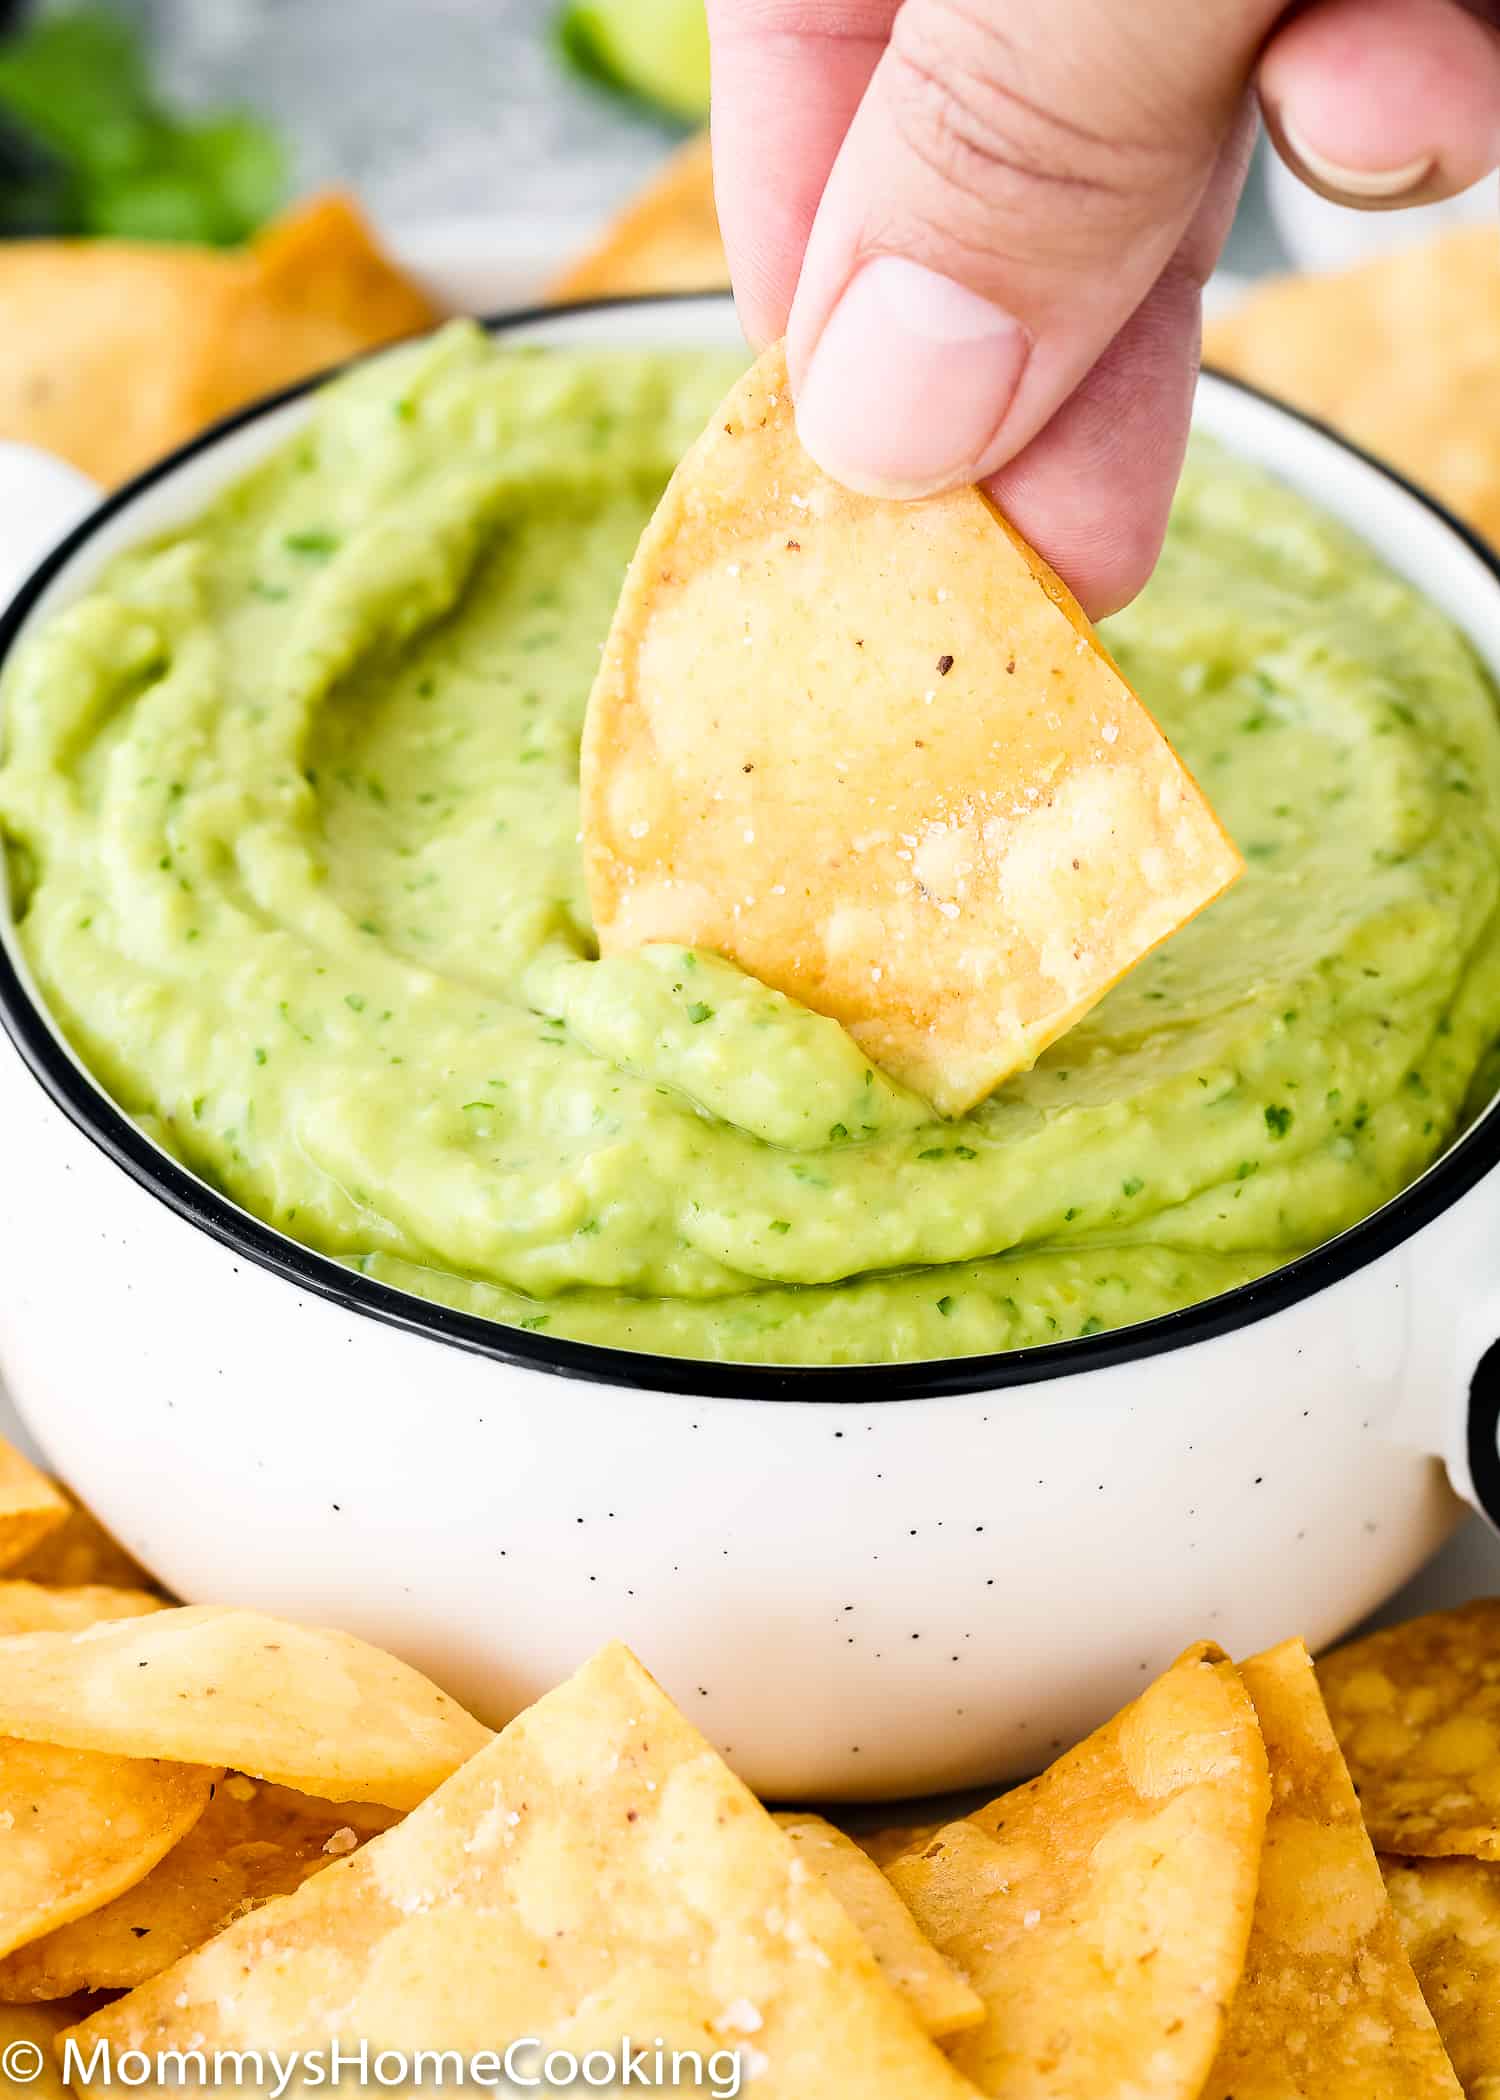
984, 225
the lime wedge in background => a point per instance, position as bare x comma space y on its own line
656, 50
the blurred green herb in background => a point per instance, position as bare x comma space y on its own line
655, 51
85, 147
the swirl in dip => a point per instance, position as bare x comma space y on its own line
291, 805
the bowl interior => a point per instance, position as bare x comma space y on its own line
1411, 533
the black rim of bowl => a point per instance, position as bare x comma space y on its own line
91, 1111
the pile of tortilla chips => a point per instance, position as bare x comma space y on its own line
114, 352
221, 1832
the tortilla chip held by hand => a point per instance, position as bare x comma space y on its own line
874, 753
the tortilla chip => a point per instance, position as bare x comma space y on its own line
873, 753
77, 1827
1449, 1914
1102, 1911
1328, 2004
33, 2074
885, 1845
665, 240
311, 1709
939, 1998
30, 1506
315, 290
80, 1553
1417, 1712
251, 1843
114, 352
31, 1607
598, 1871
1398, 353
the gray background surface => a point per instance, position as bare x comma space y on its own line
439, 107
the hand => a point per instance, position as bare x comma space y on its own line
984, 225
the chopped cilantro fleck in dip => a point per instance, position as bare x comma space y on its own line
412, 947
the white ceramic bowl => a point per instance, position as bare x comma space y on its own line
859, 1582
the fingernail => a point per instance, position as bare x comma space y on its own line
909, 381
1359, 185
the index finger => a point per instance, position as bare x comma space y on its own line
788, 76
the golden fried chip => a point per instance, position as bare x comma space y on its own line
251, 1843
883, 1846
309, 1708
30, 1505
1449, 1914
1328, 2004
874, 753
598, 1871
316, 290
1416, 1709
940, 1999
113, 352
665, 240
1420, 387
81, 1552
77, 1827
1102, 1911
32, 1607
28, 2069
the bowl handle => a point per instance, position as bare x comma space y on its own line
41, 498
1475, 1467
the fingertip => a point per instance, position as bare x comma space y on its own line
1384, 103
782, 102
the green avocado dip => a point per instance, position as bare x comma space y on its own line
291, 805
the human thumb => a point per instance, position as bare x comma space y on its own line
1014, 183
